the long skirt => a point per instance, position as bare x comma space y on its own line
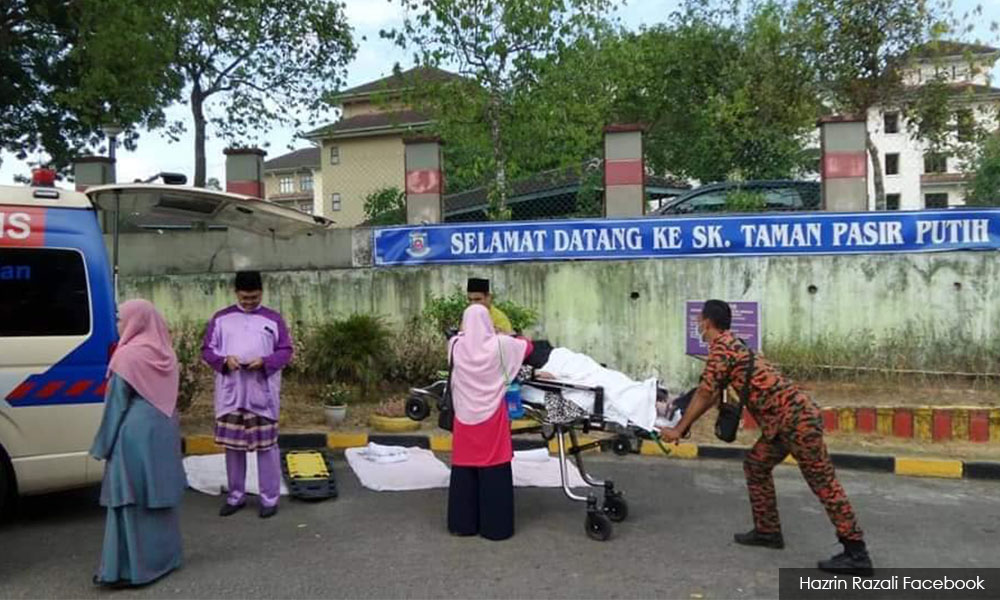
140, 545
481, 501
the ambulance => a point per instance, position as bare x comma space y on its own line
58, 316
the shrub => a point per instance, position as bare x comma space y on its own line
187, 338
444, 312
743, 200
353, 350
418, 352
385, 206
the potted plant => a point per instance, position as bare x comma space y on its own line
334, 397
390, 417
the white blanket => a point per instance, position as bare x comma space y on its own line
423, 470
420, 471
207, 474
625, 400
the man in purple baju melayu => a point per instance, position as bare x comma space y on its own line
248, 345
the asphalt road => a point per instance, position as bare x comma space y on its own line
676, 543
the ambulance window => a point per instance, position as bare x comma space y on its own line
43, 292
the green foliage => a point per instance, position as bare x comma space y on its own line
722, 91
385, 206
984, 189
63, 74
496, 46
444, 312
899, 354
187, 338
355, 350
337, 394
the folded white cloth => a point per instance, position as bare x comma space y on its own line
379, 453
421, 470
207, 474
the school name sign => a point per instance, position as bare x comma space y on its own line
758, 235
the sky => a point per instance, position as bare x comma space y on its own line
375, 59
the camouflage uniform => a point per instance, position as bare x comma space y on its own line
790, 423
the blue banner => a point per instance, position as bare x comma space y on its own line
740, 235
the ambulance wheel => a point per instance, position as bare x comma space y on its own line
598, 527
616, 508
621, 446
417, 408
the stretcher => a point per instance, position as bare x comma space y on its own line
558, 418
309, 474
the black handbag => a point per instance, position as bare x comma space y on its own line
728, 422
446, 409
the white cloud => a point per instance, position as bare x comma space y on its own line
373, 14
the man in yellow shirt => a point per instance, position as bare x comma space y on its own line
478, 291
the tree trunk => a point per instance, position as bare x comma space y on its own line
198, 112
877, 175
498, 205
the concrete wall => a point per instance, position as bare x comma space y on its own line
589, 306
185, 252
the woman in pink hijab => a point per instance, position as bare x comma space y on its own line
483, 363
140, 441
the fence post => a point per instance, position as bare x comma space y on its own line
424, 180
92, 170
245, 171
844, 164
624, 171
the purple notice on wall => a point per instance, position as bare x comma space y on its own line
746, 325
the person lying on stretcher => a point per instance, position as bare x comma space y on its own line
625, 400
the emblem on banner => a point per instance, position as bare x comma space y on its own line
418, 244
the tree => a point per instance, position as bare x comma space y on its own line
64, 73
495, 45
984, 189
861, 50
385, 206
265, 61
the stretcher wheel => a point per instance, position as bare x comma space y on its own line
417, 408
621, 446
598, 527
616, 508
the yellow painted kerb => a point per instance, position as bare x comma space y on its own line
346, 440
441, 443
201, 444
928, 467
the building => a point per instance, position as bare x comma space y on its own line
916, 178
363, 151
294, 180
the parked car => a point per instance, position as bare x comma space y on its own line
779, 195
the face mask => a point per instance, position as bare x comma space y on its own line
701, 331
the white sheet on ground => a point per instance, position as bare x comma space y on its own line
423, 470
420, 471
625, 400
207, 474
535, 468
